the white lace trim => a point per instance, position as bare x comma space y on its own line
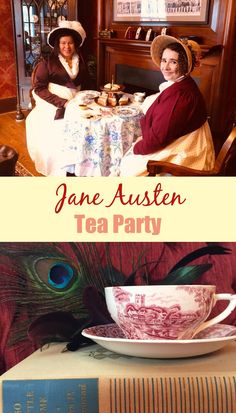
74, 70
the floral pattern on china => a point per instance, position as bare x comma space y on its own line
113, 331
84, 97
157, 321
126, 112
212, 339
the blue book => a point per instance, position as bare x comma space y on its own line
50, 396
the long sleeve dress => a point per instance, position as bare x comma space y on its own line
174, 129
53, 85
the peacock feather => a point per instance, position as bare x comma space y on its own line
57, 289
40, 279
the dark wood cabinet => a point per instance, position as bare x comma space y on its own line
33, 20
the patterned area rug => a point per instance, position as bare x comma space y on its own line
20, 170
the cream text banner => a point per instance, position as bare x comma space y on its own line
114, 209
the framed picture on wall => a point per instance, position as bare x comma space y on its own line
192, 11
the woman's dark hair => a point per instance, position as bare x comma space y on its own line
182, 57
56, 49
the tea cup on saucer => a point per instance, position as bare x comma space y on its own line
139, 97
170, 312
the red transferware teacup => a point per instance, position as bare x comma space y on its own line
169, 312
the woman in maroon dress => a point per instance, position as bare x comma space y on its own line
174, 125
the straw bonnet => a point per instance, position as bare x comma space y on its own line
196, 49
67, 28
161, 42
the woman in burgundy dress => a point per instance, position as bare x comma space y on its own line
174, 125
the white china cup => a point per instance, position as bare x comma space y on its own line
139, 96
169, 312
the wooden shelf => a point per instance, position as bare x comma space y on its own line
145, 44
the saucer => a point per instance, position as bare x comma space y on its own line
112, 338
126, 111
92, 94
84, 97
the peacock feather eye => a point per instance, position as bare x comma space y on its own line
57, 274
60, 275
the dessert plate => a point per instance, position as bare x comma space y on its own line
126, 111
108, 105
84, 97
117, 89
112, 338
92, 94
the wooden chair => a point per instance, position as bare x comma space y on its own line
8, 159
225, 164
32, 101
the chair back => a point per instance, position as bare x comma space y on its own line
225, 164
32, 101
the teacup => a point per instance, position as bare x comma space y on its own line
170, 312
139, 96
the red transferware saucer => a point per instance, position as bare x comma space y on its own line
112, 338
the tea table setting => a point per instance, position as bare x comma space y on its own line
96, 137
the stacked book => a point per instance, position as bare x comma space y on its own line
96, 380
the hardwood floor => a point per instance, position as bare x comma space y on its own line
12, 133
